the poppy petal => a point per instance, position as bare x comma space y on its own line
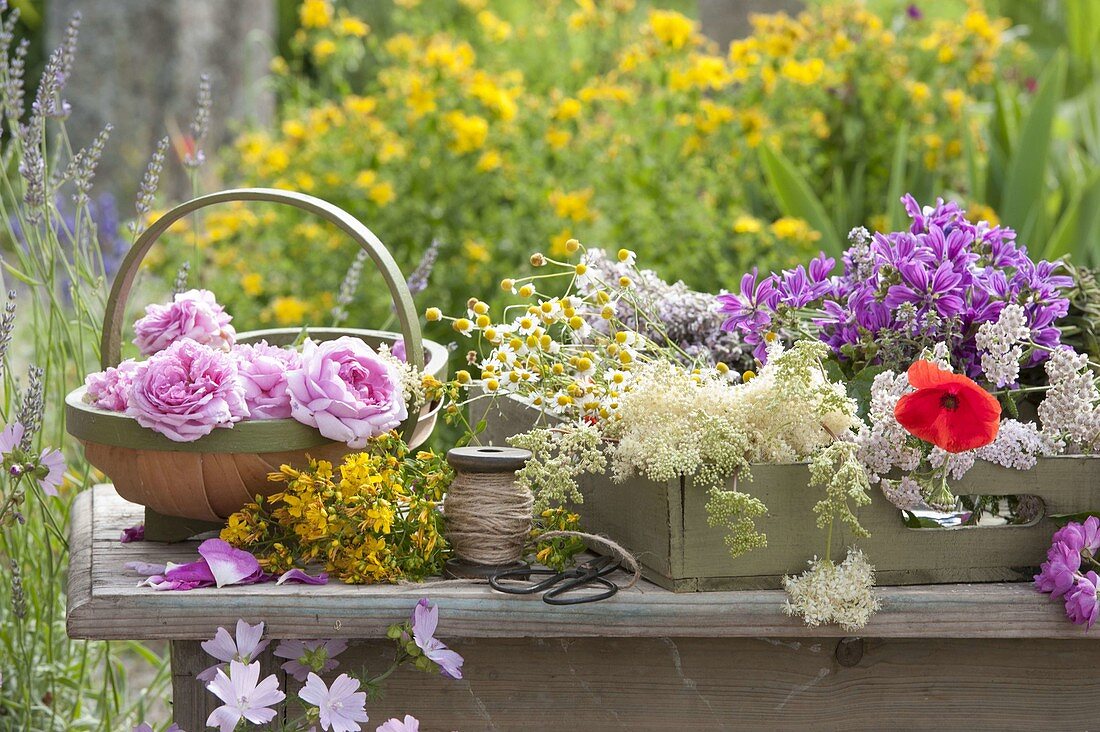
921, 413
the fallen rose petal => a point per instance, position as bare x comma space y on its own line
229, 566
191, 572
134, 533
298, 575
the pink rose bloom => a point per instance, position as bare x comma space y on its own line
187, 390
262, 370
194, 314
110, 389
347, 391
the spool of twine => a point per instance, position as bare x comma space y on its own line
488, 516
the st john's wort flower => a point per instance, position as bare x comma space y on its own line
244, 696
186, 391
247, 645
341, 706
425, 618
1082, 605
949, 410
408, 724
310, 655
194, 314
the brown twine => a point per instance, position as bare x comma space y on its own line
625, 558
488, 517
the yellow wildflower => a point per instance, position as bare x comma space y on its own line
568, 109
323, 50
315, 13
804, 72
558, 138
496, 29
400, 45
468, 132
352, 26
489, 161
476, 251
981, 212
746, 224
558, 244
671, 28
288, 310
573, 204
382, 193
789, 227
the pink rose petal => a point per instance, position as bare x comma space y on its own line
227, 565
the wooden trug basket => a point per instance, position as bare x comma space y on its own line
190, 487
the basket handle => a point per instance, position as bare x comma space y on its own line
111, 342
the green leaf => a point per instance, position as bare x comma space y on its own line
1061, 519
1026, 174
859, 387
795, 198
1077, 227
894, 191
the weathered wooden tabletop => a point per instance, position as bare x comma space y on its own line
995, 656
106, 603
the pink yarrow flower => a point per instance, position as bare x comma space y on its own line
186, 391
245, 696
110, 389
425, 618
245, 648
262, 370
307, 656
194, 315
341, 706
409, 724
347, 391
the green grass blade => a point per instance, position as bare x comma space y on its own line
795, 198
894, 190
1026, 175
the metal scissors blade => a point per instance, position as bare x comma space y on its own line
559, 584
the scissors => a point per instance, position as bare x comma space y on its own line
592, 572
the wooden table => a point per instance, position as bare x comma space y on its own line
997, 656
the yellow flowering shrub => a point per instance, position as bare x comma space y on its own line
373, 518
497, 127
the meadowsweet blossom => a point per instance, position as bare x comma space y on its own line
1069, 409
340, 706
194, 315
245, 697
834, 593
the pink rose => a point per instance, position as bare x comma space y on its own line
262, 370
347, 391
194, 314
110, 389
187, 390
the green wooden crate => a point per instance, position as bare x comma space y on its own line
665, 524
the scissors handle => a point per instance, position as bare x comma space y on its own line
552, 578
559, 595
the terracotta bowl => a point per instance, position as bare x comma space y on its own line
216, 475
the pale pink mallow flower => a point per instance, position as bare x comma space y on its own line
194, 315
247, 645
245, 696
110, 389
425, 618
263, 369
409, 724
186, 391
310, 655
341, 706
347, 391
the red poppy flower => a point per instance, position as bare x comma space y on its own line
949, 410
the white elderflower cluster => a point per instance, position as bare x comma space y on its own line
1069, 410
904, 493
1000, 344
883, 443
1018, 445
834, 593
558, 458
